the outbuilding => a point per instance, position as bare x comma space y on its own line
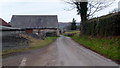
37, 24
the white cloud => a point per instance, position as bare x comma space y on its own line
43, 7
37, 8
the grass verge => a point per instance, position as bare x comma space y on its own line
34, 44
108, 47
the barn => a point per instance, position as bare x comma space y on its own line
37, 24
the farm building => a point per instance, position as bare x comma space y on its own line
10, 37
37, 24
3, 23
7, 29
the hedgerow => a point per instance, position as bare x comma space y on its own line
108, 25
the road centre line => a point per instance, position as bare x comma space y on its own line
23, 62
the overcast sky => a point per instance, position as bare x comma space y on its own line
43, 7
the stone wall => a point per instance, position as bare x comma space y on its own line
13, 41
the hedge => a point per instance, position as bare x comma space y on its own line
108, 25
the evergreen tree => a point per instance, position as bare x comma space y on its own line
73, 24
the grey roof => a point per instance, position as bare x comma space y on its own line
34, 21
7, 28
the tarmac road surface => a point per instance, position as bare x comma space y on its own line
63, 52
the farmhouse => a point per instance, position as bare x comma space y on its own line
3, 23
37, 24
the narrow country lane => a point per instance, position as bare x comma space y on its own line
63, 52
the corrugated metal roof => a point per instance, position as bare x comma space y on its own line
8, 28
34, 21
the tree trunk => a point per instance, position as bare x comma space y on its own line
83, 15
83, 11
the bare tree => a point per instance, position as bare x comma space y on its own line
93, 6
87, 9
97, 5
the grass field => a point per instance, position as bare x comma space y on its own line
34, 44
109, 47
72, 32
